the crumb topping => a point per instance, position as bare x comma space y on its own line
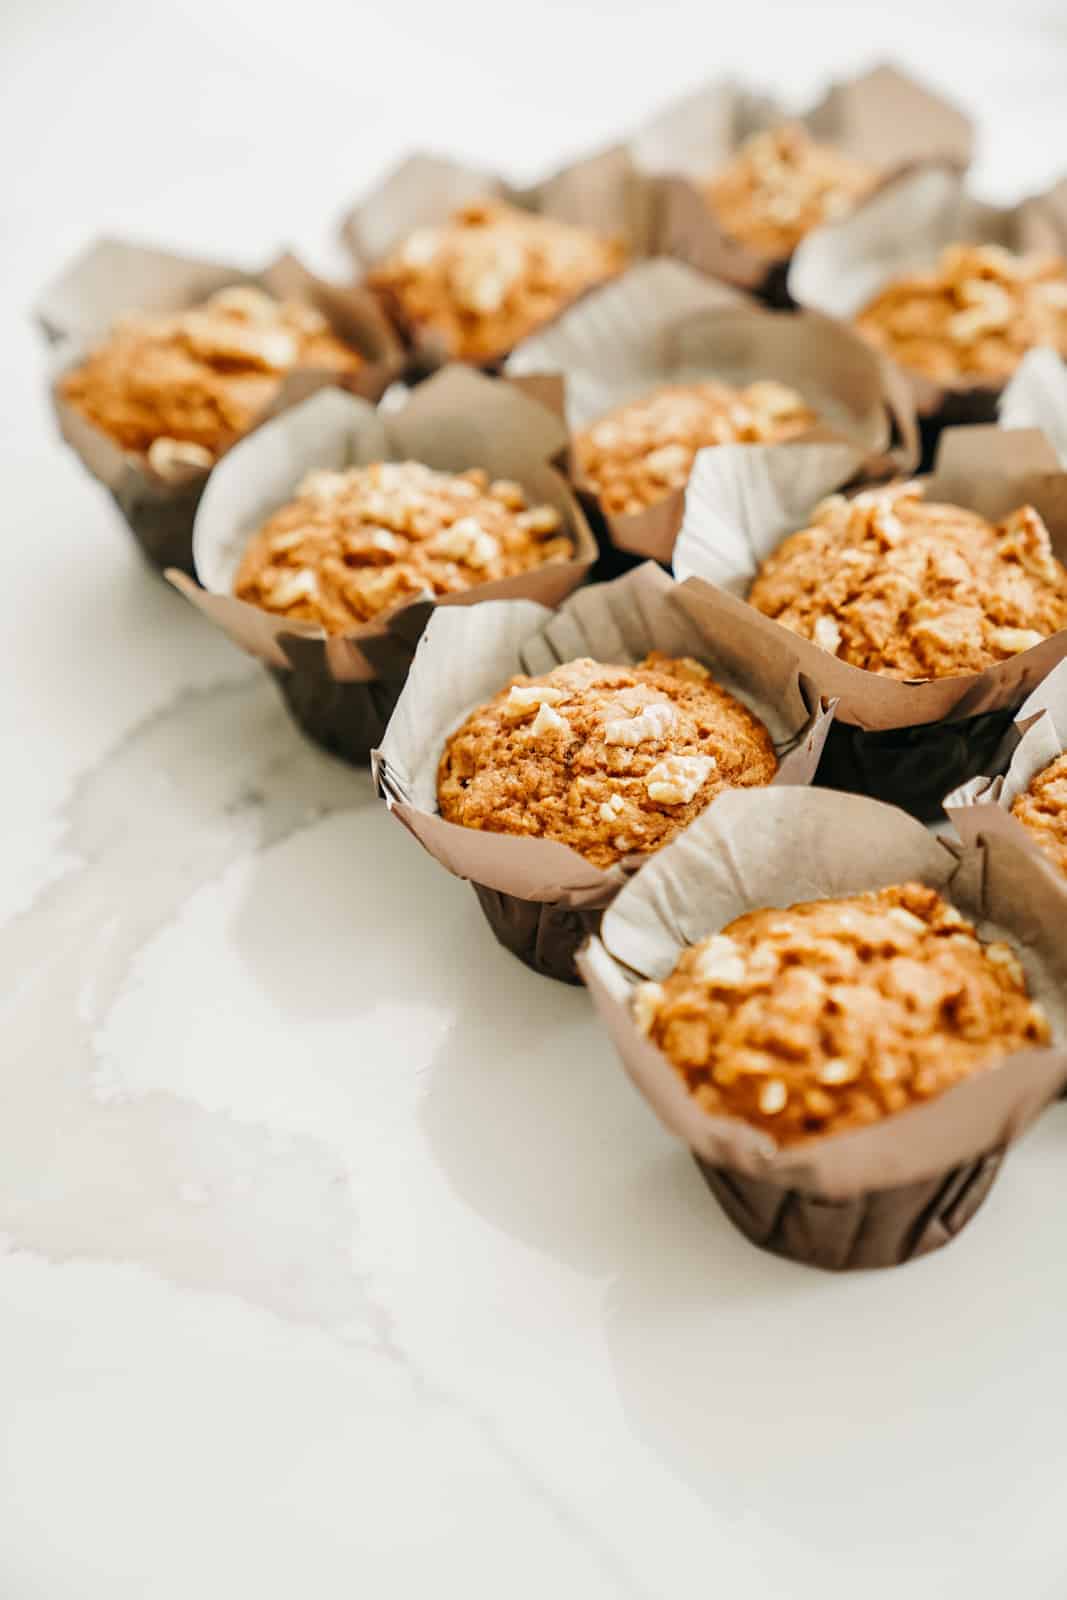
973, 316
782, 183
912, 588
1043, 809
491, 275
610, 760
640, 452
359, 542
180, 387
835, 1013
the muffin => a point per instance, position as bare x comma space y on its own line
356, 543
914, 589
970, 319
490, 275
833, 1014
641, 452
610, 760
1042, 810
180, 387
781, 184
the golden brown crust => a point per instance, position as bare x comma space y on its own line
357, 543
781, 184
913, 589
835, 1013
972, 318
180, 387
1042, 808
642, 451
610, 760
490, 275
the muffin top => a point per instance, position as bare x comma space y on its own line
640, 452
610, 760
834, 1013
972, 317
781, 184
1043, 809
914, 589
359, 542
490, 275
181, 386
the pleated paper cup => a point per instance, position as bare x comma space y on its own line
903, 228
1037, 398
541, 897
112, 277
662, 322
982, 808
602, 192
879, 1195
341, 688
882, 117
908, 742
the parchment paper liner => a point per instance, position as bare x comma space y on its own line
1037, 398
111, 277
982, 808
903, 228
602, 192
341, 689
539, 895
889, 736
882, 117
904, 1185
661, 322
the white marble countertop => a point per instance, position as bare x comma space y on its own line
338, 1257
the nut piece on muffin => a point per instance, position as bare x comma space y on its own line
181, 387
972, 317
915, 589
490, 275
1042, 808
835, 1013
367, 540
781, 184
610, 760
642, 451
361, 541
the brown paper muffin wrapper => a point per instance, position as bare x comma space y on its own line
661, 322
79, 308
341, 688
899, 740
903, 228
603, 192
882, 117
878, 1195
981, 808
540, 896
1037, 398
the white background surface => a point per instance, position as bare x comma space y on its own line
337, 1256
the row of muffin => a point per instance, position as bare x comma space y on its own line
604, 725
651, 784
847, 1020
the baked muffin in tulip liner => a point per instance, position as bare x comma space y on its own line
928, 610
557, 727
467, 265
663, 362
325, 540
161, 362
740, 181
1037, 398
848, 1076
954, 291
